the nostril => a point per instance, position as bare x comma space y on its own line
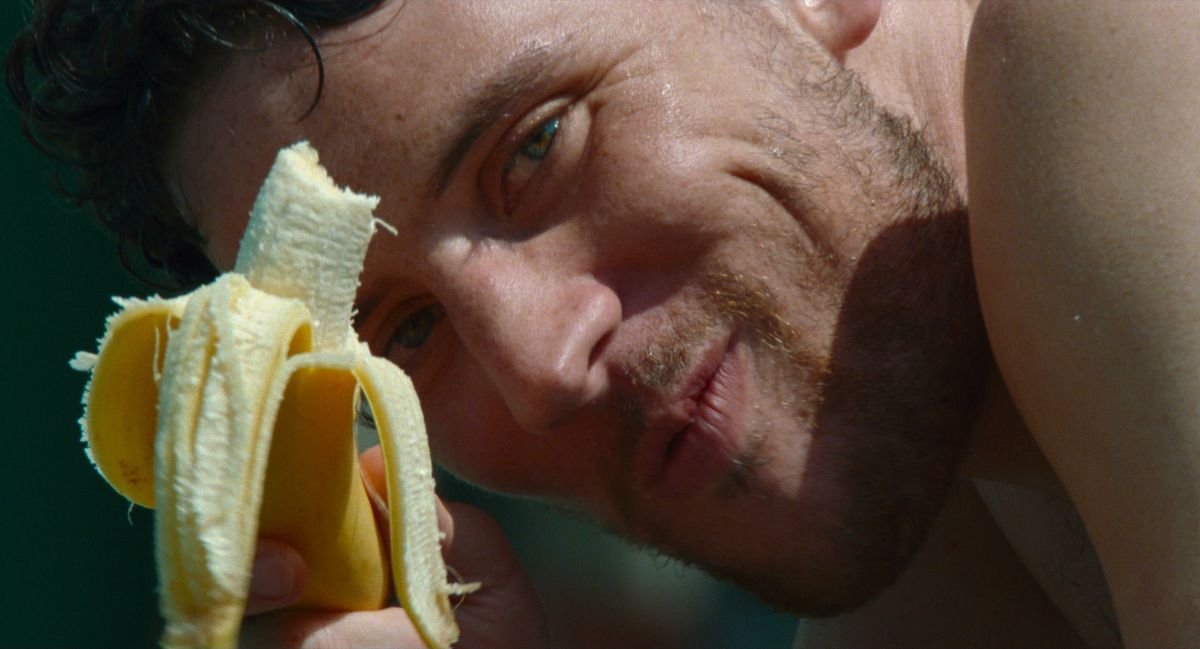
541, 338
598, 350
549, 389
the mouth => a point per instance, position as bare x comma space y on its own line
693, 446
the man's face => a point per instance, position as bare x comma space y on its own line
662, 262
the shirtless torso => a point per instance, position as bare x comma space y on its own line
1083, 153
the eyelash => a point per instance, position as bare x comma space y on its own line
534, 149
407, 354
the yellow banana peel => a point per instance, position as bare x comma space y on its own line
231, 411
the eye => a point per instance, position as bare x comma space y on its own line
526, 159
365, 417
411, 334
537, 144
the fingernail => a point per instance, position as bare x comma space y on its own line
273, 577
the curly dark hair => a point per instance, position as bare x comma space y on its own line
101, 83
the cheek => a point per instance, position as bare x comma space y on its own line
647, 215
469, 427
472, 434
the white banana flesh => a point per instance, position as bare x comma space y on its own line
231, 411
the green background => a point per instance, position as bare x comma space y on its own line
78, 561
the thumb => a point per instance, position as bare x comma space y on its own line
505, 612
278, 578
374, 472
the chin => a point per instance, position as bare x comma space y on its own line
839, 506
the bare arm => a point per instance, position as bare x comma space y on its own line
1083, 126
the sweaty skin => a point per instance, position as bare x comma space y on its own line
698, 369
719, 205
1088, 274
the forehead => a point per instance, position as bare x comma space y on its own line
396, 83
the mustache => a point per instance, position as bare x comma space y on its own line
727, 300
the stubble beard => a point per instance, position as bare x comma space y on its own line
882, 407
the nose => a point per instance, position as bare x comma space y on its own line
537, 324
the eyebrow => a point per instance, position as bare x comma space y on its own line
488, 104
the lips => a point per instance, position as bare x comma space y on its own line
692, 445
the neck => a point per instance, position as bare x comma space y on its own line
1002, 449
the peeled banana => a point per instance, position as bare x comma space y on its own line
231, 410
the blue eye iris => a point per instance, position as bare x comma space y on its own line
365, 416
415, 330
537, 145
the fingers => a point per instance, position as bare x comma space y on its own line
505, 613
293, 629
280, 574
278, 577
374, 470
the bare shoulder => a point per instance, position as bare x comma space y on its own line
1070, 23
1094, 57
1083, 154
1082, 65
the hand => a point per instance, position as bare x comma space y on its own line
504, 613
